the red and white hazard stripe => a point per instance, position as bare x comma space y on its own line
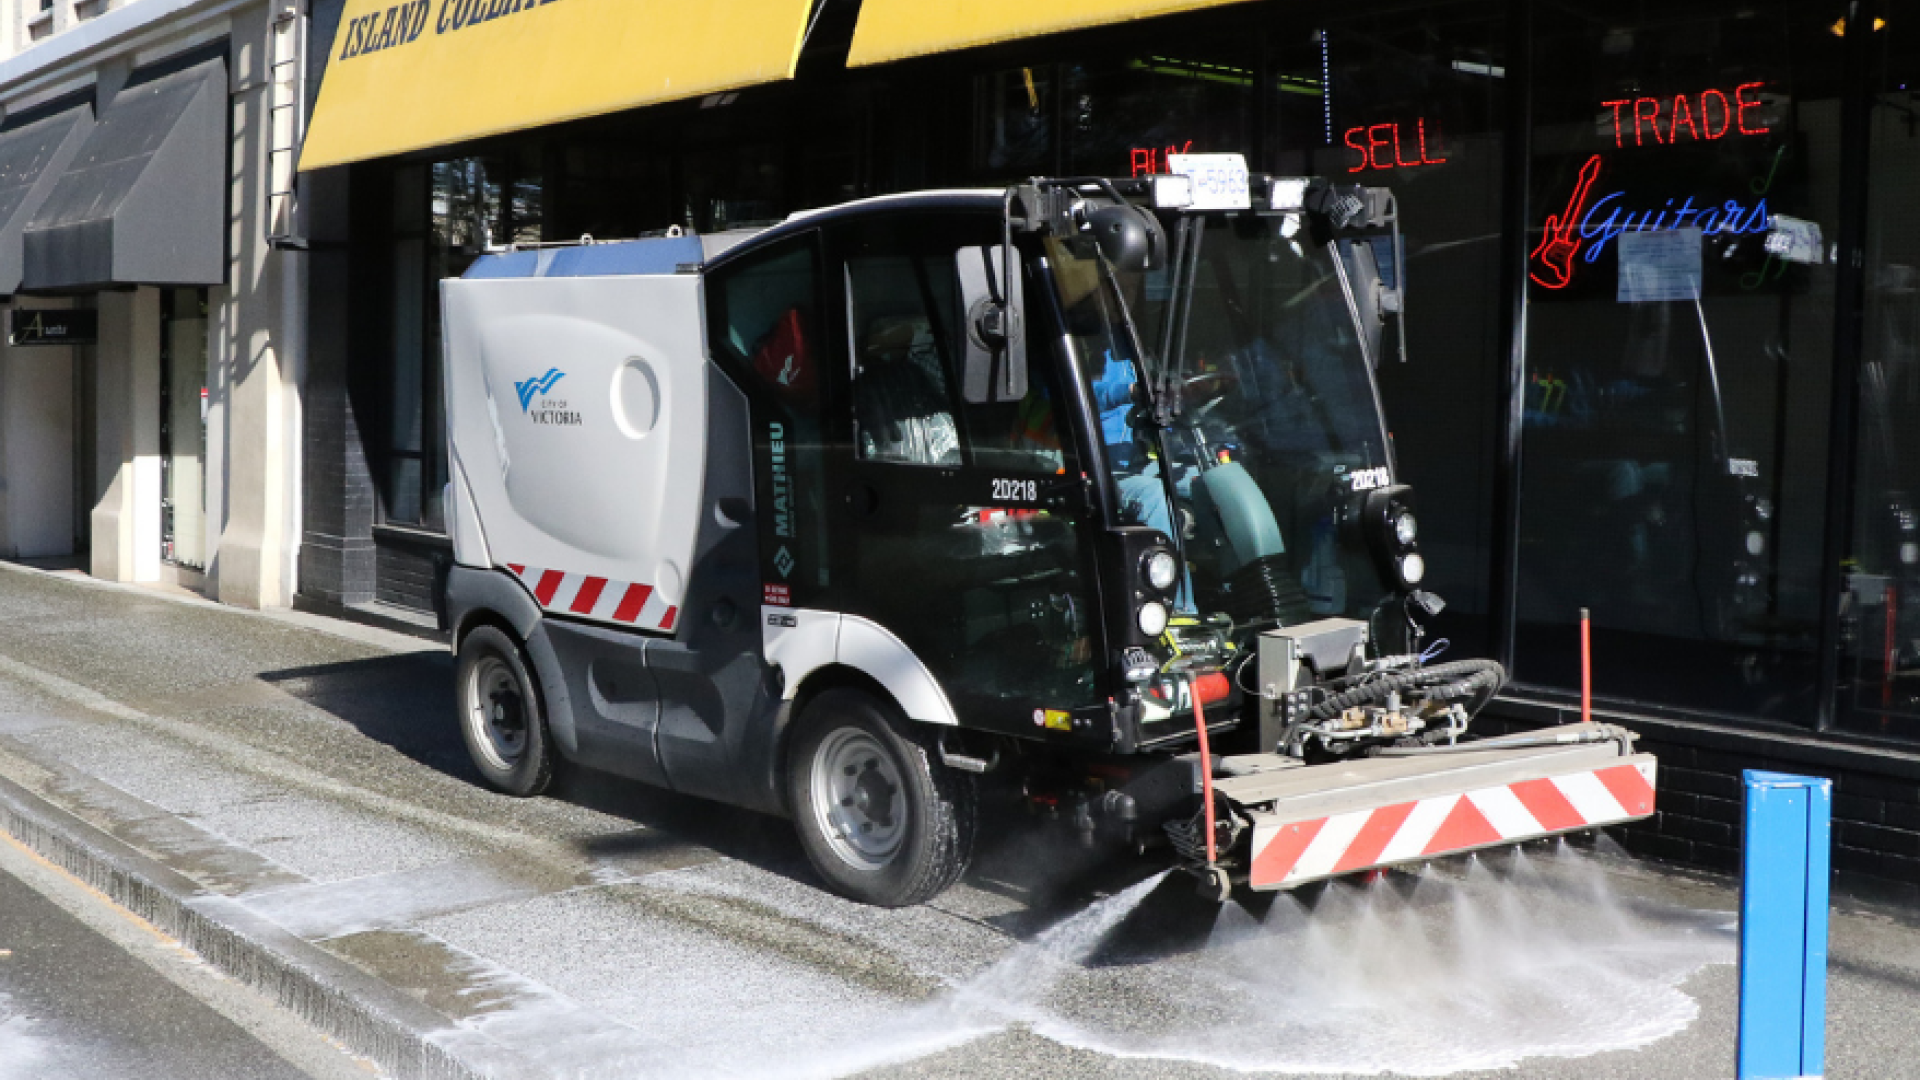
602, 599
1291, 853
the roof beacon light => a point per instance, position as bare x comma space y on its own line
1172, 192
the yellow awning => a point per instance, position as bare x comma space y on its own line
413, 74
897, 29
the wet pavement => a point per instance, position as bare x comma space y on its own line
87, 991
310, 775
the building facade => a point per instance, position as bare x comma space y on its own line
1663, 314
149, 404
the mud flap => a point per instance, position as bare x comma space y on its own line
1313, 822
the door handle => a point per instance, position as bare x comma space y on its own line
861, 499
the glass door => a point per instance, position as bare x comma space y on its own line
183, 427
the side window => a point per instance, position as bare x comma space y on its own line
765, 332
906, 327
901, 324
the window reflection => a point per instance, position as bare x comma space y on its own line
1679, 346
1880, 663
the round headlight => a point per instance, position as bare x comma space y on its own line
1756, 542
1412, 568
1162, 569
1405, 528
1910, 553
1153, 618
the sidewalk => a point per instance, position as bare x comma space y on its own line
289, 797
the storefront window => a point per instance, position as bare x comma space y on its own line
1416, 102
1880, 654
445, 216
1679, 344
1117, 117
1013, 122
732, 184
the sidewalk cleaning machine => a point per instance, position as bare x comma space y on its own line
1081, 488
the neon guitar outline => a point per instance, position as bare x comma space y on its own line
1562, 240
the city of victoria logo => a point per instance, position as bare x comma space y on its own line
550, 410
537, 386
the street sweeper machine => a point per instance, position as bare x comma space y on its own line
1078, 492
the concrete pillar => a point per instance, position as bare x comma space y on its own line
255, 372
36, 447
126, 520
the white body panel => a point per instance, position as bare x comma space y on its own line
803, 641
577, 409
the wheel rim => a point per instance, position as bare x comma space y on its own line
859, 800
497, 713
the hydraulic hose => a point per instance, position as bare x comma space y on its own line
1593, 734
1478, 680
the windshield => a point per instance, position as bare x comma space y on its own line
1278, 424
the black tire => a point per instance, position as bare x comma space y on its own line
906, 820
501, 717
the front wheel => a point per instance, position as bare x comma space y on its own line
880, 817
500, 715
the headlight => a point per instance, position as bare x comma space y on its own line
1162, 570
1405, 528
1412, 568
1756, 542
1153, 618
1910, 553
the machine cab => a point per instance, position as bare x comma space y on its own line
1072, 492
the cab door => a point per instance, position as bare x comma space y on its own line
959, 526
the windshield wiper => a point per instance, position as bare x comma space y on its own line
1163, 399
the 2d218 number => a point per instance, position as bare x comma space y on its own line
1369, 479
1005, 490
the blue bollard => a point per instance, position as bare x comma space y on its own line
1783, 926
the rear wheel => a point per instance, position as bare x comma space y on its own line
500, 716
880, 817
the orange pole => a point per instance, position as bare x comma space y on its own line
1586, 666
1206, 765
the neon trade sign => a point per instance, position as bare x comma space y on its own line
1585, 226
1378, 137
1703, 117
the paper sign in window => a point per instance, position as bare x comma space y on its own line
1657, 266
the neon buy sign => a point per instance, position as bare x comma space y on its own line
1585, 227
1371, 141
1152, 160
1703, 117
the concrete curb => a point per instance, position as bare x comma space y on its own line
367, 1016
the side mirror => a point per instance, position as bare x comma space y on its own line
1368, 292
996, 360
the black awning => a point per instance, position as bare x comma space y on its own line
34, 154
144, 201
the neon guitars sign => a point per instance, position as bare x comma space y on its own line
1586, 225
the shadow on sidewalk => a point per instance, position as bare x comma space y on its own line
406, 703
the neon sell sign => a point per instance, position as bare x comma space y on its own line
1579, 229
1378, 137
1705, 117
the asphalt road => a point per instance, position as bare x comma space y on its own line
317, 780
88, 992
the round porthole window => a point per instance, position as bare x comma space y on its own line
636, 398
